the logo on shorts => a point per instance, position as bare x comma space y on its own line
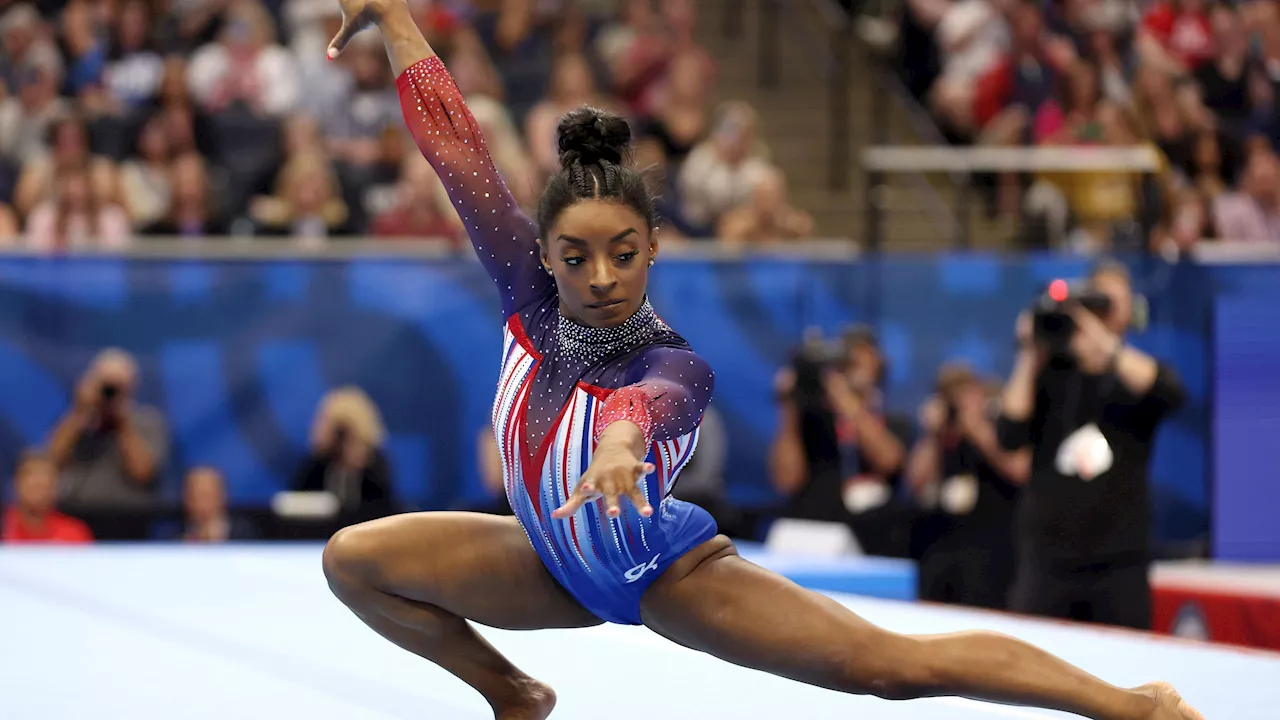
638, 571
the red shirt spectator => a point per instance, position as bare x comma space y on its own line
1025, 76
33, 518
1183, 29
52, 528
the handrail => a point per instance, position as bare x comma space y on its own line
831, 58
922, 125
833, 63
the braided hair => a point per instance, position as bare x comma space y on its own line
594, 146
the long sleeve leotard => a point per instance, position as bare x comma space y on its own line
560, 382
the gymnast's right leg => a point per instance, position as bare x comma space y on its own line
416, 579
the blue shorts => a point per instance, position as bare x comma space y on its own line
625, 555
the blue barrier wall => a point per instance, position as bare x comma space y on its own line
237, 353
1246, 417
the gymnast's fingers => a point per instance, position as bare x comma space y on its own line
612, 492
350, 26
640, 501
576, 500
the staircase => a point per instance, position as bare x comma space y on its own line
795, 117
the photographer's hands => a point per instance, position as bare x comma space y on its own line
932, 415
844, 399
1094, 346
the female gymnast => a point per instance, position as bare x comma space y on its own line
597, 411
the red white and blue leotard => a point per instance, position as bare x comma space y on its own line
561, 383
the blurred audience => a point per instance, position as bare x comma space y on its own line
148, 187
80, 215
33, 517
346, 457
307, 204
766, 216
134, 70
721, 172
188, 102
572, 86
63, 147
245, 67
361, 127
680, 120
1176, 34
420, 208
478, 81
33, 73
190, 211
1253, 211
205, 516
1193, 79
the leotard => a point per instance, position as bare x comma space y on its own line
561, 383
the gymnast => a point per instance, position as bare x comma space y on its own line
597, 410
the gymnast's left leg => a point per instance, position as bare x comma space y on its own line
714, 601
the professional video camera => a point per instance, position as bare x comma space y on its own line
1052, 324
811, 362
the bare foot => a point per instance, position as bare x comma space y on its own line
531, 701
1169, 704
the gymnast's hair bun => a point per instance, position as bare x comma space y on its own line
588, 136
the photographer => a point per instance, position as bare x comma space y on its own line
837, 456
1088, 404
346, 457
109, 451
958, 470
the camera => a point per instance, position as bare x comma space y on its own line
811, 362
1052, 324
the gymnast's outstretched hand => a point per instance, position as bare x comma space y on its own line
358, 15
614, 472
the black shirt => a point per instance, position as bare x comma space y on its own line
1067, 520
366, 492
832, 457
1228, 96
994, 497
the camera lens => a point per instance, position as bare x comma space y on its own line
110, 391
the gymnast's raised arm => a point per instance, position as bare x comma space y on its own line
450, 139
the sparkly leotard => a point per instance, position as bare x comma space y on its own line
561, 383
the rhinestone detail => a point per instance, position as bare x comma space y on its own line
594, 344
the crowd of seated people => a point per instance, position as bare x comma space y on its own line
122, 119
1194, 79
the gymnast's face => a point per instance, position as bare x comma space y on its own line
599, 253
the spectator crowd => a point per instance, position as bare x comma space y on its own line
130, 118
1196, 80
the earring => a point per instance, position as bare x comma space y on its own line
548, 269
652, 260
